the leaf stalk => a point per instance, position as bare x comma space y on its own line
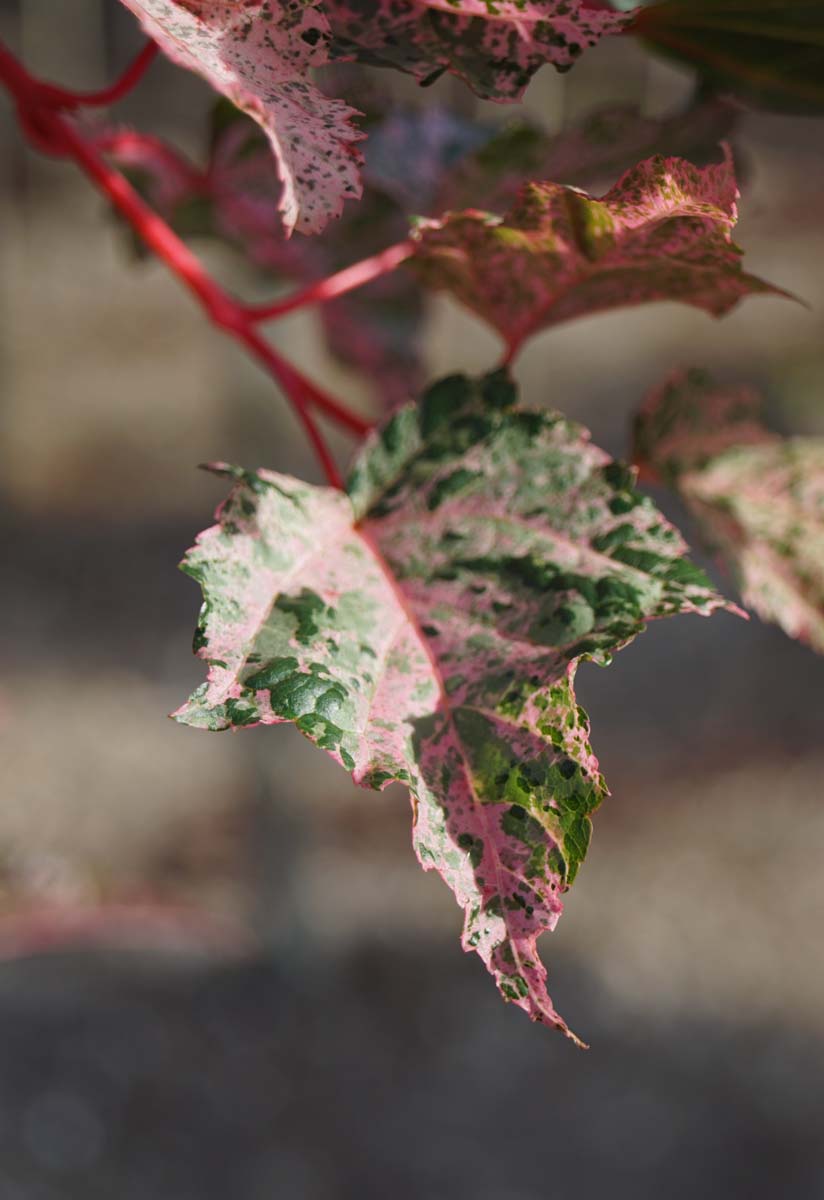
39, 106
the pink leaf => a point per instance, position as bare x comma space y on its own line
427, 627
258, 53
758, 498
495, 47
663, 232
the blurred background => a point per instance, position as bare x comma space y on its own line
262, 995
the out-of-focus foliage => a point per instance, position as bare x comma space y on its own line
758, 498
768, 52
417, 161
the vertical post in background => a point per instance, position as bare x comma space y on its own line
65, 42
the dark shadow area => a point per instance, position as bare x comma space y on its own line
386, 1073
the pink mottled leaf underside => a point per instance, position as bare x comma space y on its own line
758, 498
496, 47
663, 232
259, 54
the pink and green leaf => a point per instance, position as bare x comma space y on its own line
663, 232
426, 628
259, 55
495, 46
758, 498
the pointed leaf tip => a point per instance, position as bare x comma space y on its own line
426, 628
663, 232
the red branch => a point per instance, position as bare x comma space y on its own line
63, 98
337, 285
39, 106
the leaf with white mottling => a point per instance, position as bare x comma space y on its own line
259, 54
663, 232
758, 498
496, 47
426, 627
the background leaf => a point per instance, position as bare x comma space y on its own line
758, 498
607, 142
663, 232
495, 47
769, 52
426, 628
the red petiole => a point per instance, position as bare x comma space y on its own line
338, 284
41, 107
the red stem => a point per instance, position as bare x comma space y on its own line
337, 285
511, 347
122, 143
53, 133
302, 394
131, 77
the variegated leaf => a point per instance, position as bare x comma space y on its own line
758, 498
258, 53
663, 232
496, 47
426, 627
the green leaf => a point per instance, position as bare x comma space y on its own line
769, 52
426, 627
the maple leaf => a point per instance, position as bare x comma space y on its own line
758, 498
663, 232
496, 46
258, 54
426, 626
